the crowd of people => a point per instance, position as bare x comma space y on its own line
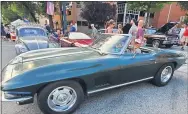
134, 28
137, 32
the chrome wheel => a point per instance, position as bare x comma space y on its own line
166, 74
62, 99
156, 43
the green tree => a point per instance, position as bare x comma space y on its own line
147, 6
20, 9
183, 5
98, 12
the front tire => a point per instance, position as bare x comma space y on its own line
164, 75
60, 97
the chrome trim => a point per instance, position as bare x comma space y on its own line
115, 86
3, 99
54, 56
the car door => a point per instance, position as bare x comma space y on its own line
137, 67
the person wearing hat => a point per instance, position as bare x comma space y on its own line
184, 39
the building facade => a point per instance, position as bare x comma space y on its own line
171, 12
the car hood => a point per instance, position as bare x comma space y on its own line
33, 43
165, 28
55, 53
51, 56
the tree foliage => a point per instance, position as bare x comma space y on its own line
12, 10
147, 6
98, 12
183, 5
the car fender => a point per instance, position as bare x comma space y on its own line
36, 78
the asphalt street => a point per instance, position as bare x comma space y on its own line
141, 98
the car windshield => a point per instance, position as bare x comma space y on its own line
78, 35
111, 44
31, 32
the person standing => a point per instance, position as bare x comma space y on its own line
120, 31
126, 28
184, 40
89, 32
3, 33
110, 26
72, 28
76, 27
94, 31
139, 41
133, 30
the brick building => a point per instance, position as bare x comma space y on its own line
171, 12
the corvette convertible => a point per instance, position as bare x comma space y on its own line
59, 78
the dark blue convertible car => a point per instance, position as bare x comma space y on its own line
61, 77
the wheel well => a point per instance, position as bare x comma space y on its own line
175, 64
80, 81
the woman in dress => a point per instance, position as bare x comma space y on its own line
139, 41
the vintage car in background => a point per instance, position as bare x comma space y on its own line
163, 36
61, 77
32, 37
150, 31
76, 39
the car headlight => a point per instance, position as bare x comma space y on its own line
17, 59
7, 73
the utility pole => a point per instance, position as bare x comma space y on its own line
125, 12
64, 19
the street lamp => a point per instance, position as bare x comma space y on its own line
64, 19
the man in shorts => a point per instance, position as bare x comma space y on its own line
184, 39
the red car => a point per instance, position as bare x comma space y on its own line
77, 39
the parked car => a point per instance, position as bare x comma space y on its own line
76, 39
150, 31
32, 37
61, 77
163, 36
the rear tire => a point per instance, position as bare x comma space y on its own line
160, 79
60, 98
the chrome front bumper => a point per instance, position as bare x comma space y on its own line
175, 42
22, 100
